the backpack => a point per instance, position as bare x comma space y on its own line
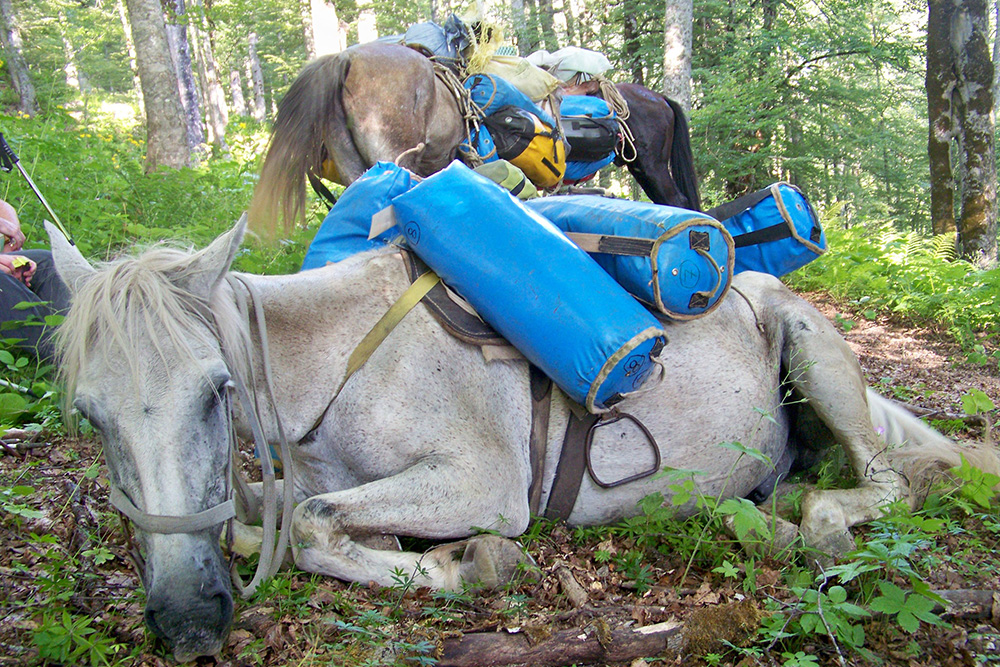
529, 144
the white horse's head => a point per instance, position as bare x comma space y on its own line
142, 360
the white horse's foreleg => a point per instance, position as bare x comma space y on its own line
826, 373
423, 501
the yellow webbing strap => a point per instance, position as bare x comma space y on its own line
410, 298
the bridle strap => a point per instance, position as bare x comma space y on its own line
171, 525
272, 552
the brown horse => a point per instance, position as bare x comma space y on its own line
384, 102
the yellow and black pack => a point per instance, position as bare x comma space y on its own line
528, 143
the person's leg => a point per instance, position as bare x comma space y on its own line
49, 296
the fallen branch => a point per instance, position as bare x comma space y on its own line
492, 649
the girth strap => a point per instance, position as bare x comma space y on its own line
569, 470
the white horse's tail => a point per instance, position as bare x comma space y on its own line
918, 451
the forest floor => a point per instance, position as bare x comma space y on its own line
73, 557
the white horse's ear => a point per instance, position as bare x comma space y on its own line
210, 265
71, 266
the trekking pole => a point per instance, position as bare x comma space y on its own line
9, 160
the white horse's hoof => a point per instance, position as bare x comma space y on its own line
493, 561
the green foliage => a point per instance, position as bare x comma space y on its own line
904, 273
71, 639
909, 609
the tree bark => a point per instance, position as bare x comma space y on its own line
214, 99
940, 85
328, 36
632, 40
489, 649
166, 144
130, 46
236, 93
569, 14
519, 19
180, 48
10, 38
677, 36
256, 74
977, 225
367, 23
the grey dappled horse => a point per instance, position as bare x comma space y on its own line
429, 439
383, 102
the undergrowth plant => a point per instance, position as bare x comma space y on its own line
881, 268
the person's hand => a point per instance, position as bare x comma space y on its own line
10, 227
19, 267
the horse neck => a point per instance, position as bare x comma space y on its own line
313, 321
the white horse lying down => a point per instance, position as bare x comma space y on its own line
428, 439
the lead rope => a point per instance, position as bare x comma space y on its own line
272, 551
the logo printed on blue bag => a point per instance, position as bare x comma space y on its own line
634, 364
412, 231
689, 274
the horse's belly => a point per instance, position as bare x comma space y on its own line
719, 394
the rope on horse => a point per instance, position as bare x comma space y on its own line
618, 104
470, 112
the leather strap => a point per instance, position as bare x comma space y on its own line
171, 525
569, 470
541, 404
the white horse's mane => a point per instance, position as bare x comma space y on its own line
145, 293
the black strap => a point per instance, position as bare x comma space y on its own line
320, 188
729, 209
763, 235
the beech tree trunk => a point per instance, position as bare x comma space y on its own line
256, 74
236, 93
940, 84
130, 47
180, 49
213, 97
977, 225
546, 16
570, 15
10, 38
677, 36
960, 106
328, 36
519, 19
166, 129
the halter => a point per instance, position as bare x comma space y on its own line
271, 557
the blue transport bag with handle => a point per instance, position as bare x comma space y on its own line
344, 231
775, 230
675, 260
530, 283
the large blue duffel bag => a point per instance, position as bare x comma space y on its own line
344, 231
529, 282
675, 260
775, 230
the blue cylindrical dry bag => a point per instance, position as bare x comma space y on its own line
531, 284
344, 231
677, 261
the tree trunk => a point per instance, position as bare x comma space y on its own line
940, 85
327, 33
236, 93
570, 15
977, 225
534, 41
367, 23
130, 46
306, 14
214, 99
677, 37
996, 57
74, 78
166, 130
180, 48
256, 75
10, 38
